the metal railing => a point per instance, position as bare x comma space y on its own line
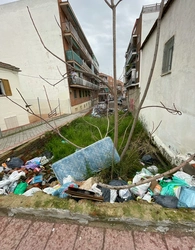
151, 8
72, 56
80, 81
70, 28
132, 53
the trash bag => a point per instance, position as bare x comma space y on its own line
184, 176
153, 169
141, 189
20, 188
111, 195
14, 162
168, 186
33, 163
187, 197
147, 159
166, 200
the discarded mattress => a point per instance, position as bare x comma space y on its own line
97, 156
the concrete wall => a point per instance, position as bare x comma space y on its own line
176, 133
11, 115
22, 47
148, 19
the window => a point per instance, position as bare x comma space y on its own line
5, 87
80, 94
75, 93
168, 55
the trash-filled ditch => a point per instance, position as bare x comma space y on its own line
66, 179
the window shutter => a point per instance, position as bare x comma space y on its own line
6, 86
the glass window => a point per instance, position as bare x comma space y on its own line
168, 56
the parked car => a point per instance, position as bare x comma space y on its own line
120, 101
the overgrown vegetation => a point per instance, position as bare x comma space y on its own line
84, 131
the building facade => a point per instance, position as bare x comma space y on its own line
9, 83
132, 76
78, 53
172, 83
46, 82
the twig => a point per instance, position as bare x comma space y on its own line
51, 83
173, 111
95, 127
70, 66
30, 111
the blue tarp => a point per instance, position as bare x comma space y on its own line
97, 156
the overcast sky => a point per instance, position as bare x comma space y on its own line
95, 18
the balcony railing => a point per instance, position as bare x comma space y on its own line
130, 82
75, 34
72, 56
151, 8
131, 55
79, 81
86, 67
70, 28
132, 70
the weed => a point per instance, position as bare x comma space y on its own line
84, 132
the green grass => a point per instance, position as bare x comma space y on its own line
83, 132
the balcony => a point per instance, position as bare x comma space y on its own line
131, 56
70, 29
79, 81
130, 82
86, 67
72, 56
131, 71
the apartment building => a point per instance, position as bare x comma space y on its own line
105, 91
47, 83
78, 53
142, 26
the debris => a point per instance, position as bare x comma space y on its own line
14, 162
166, 200
187, 197
83, 194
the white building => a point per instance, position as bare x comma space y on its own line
173, 80
9, 83
21, 46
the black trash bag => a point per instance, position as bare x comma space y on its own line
166, 200
147, 159
106, 192
14, 162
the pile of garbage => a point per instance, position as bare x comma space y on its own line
27, 178
174, 191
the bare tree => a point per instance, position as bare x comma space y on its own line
113, 6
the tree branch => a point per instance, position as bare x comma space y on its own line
149, 179
30, 111
108, 3
174, 111
60, 59
117, 3
54, 83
